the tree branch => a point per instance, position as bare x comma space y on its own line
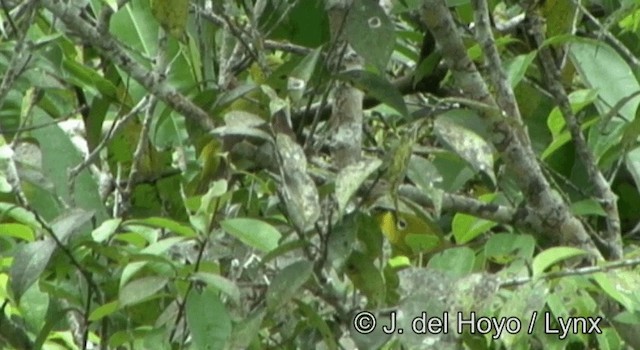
605, 195
589, 270
112, 49
548, 210
346, 117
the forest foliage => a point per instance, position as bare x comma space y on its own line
248, 174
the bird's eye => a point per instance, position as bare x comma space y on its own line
401, 224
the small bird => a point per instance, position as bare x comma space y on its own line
410, 234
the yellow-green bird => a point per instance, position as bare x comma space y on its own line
410, 234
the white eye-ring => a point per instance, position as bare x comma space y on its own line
374, 22
401, 224
295, 84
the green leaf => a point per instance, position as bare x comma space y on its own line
457, 261
371, 33
141, 289
565, 137
229, 97
587, 207
68, 222
58, 156
377, 87
366, 277
89, 79
318, 323
517, 67
552, 256
55, 316
422, 243
103, 311
171, 132
19, 231
426, 176
29, 263
306, 25
466, 227
622, 286
579, 100
350, 178
467, 144
241, 130
33, 307
299, 78
399, 261
304, 70
632, 161
252, 232
220, 283
287, 282
209, 202
602, 69
609, 339
5, 186
165, 223
135, 26
571, 297
112, 3
247, 330
106, 230
503, 248
208, 320
18, 214
157, 248
427, 67
627, 317
523, 302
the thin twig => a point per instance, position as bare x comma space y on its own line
112, 49
589, 270
622, 48
114, 130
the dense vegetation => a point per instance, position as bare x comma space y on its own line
226, 174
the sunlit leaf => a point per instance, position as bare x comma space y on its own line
165, 223
19, 231
105, 230
552, 256
103, 311
139, 290
255, 233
